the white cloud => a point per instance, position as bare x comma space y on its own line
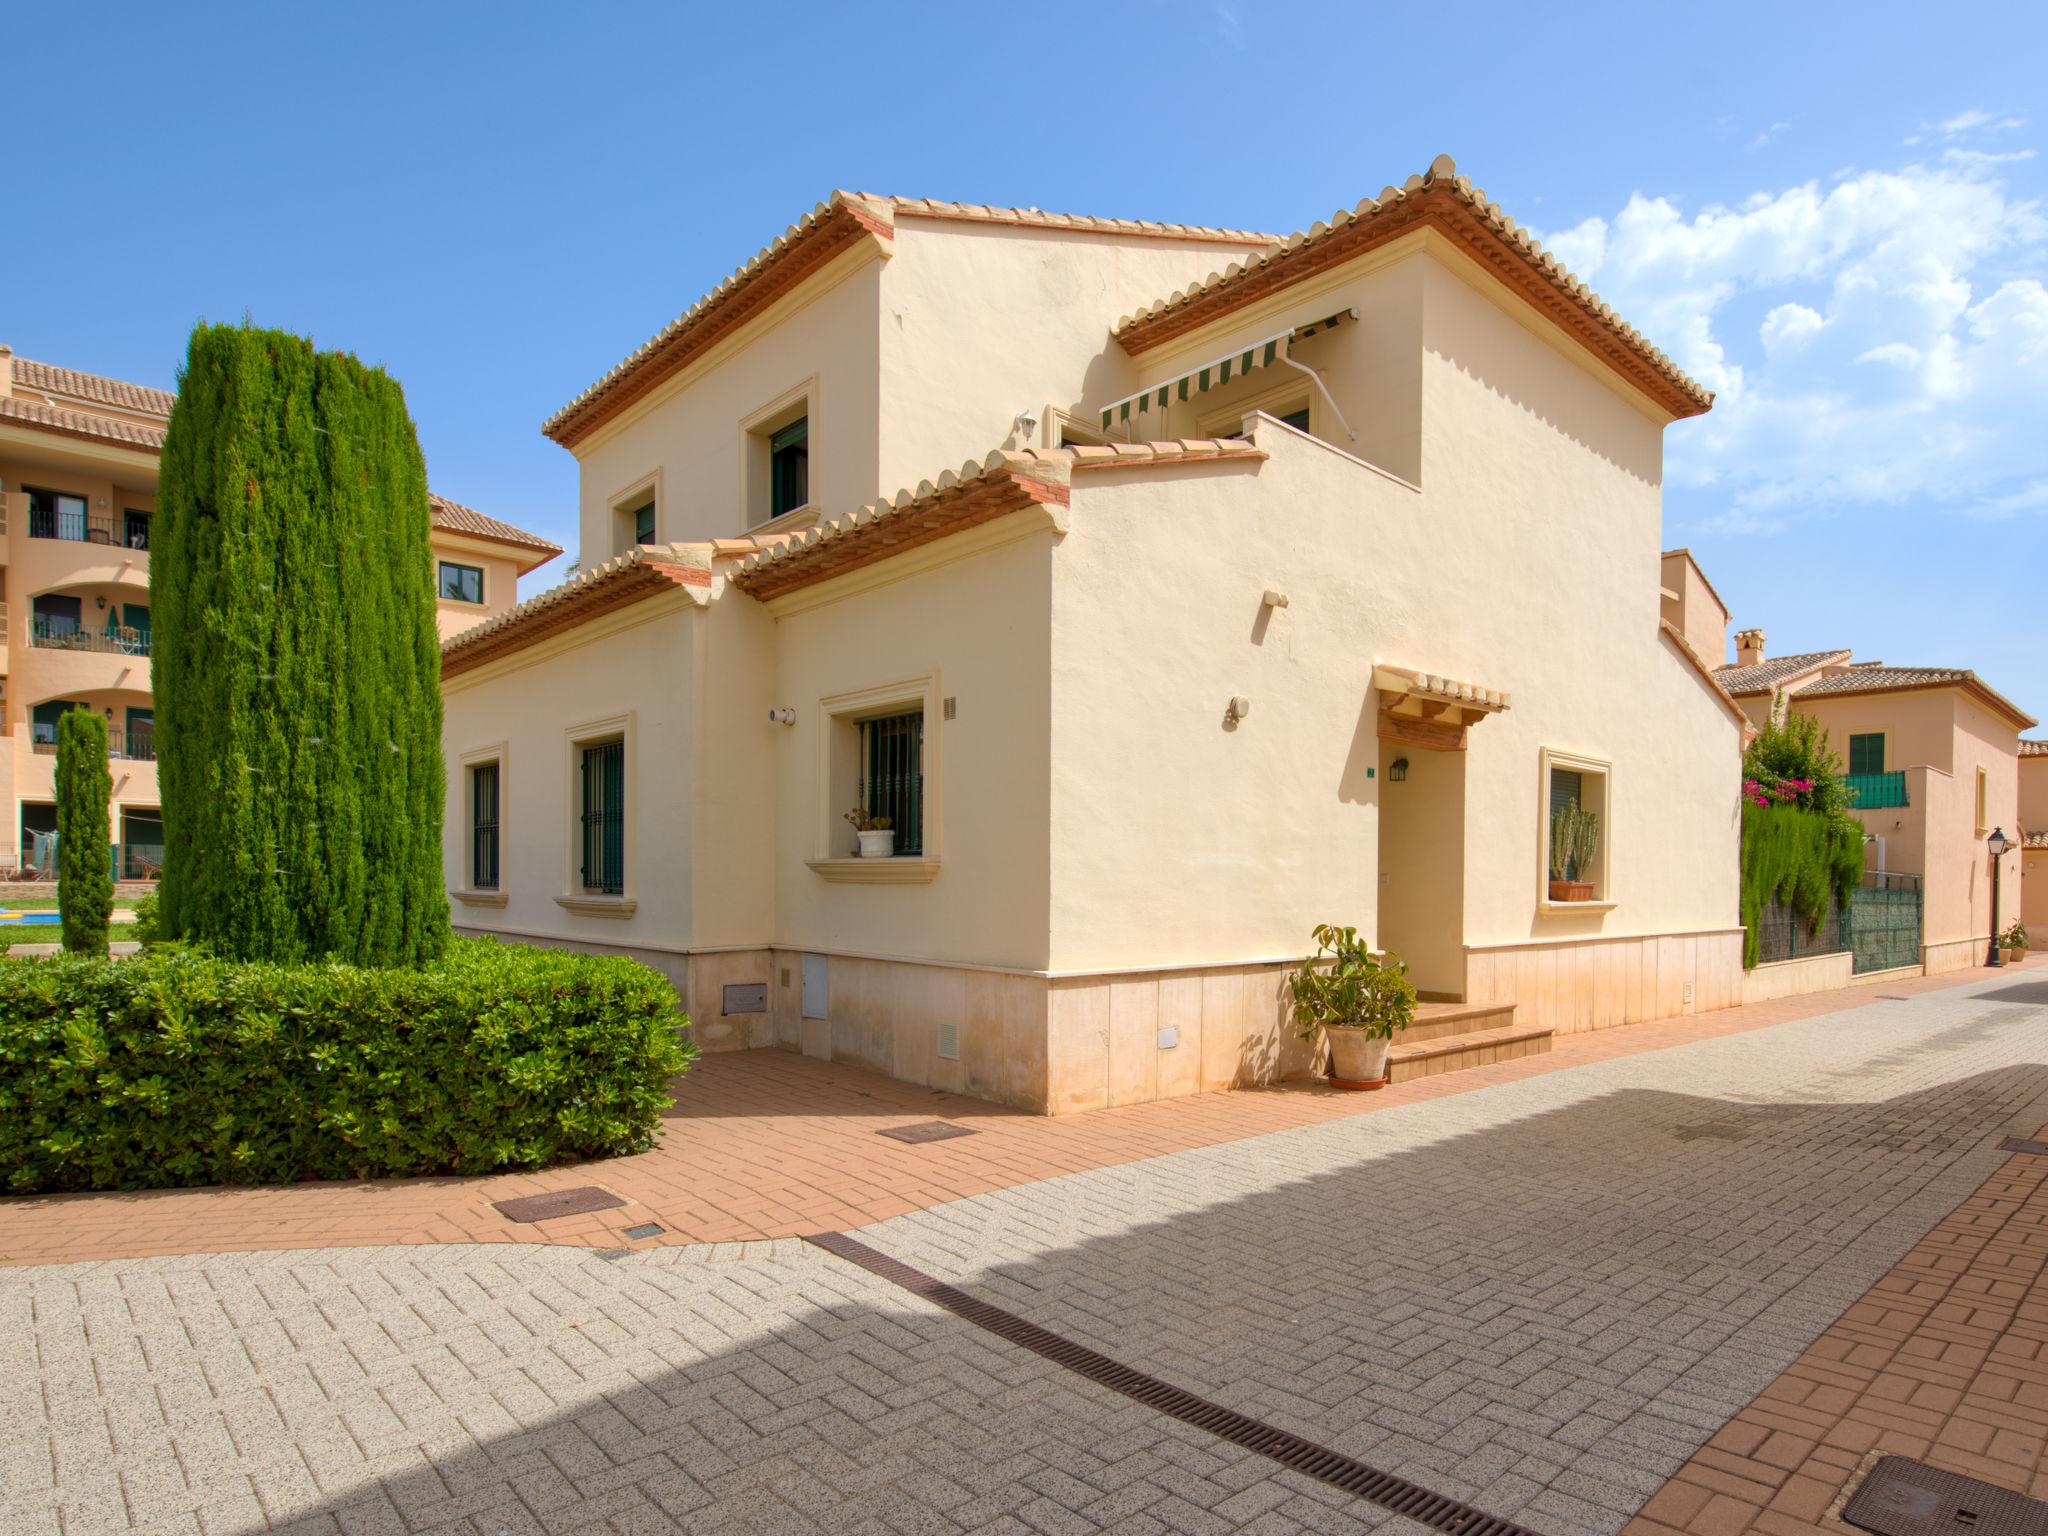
1766, 136
1964, 124
1929, 276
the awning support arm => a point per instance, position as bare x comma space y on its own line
1330, 400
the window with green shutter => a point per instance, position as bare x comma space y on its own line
483, 826
604, 818
789, 467
892, 758
1866, 753
643, 524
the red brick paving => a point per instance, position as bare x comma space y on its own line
769, 1144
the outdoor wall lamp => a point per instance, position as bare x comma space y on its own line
1997, 845
1397, 771
782, 716
1237, 709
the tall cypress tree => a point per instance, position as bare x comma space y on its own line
296, 659
85, 873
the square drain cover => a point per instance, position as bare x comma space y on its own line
927, 1130
2014, 1144
557, 1202
1902, 1497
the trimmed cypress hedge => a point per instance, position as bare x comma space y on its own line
175, 1068
297, 659
85, 887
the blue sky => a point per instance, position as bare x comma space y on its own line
1832, 214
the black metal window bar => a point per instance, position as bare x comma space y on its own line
483, 818
892, 755
604, 818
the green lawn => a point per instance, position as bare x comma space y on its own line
54, 935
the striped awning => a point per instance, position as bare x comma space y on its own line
1217, 371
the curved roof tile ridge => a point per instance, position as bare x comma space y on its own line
119, 393
940, 208
1399, 208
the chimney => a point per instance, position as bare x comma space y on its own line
6, 370
1749, 647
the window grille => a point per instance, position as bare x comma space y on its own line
483, 812
892, 755
604, 818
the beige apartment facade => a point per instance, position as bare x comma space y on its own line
1934, 754
78, 471
1223, 597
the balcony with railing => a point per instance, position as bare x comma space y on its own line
132, 746
55, 633
1877, 791
70, 518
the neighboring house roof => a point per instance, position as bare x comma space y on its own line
640, 573
1878, 679
835, 225
1708, 675
71, 423
1004, 482
2035, 840
454, 517
1438, 199
2033, 748
1764, 676
118, 393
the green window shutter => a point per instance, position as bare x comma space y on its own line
1297, 419
483, 814
893, 757
1866, 753
604, 818
789, 467
643, 524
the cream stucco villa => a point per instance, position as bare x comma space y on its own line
1235, 583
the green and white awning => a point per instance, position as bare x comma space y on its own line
1218, 371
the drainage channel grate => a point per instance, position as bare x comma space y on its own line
2014, 1144
1902, 1497
1385, 1489
557, 1202
926, 1130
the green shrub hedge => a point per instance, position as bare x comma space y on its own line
175, 1068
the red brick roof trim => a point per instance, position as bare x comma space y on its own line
1699, 664
634, 576
1438, 199
454, 517
53, 418
118, 393
835, 225
1006, 481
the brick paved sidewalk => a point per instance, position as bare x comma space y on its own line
1944, 1360
767, 1144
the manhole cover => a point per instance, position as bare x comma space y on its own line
926, 1130
1902, 1497
2014, 1144
557, 1202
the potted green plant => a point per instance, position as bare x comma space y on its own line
876, 833
2014, 942
1354, 998
1574, 839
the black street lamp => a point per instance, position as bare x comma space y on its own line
1996, 845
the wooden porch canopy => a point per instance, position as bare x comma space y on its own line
1429, 710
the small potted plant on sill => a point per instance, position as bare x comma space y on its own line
1574, 839
2014, 942
877, 834
1357, 1000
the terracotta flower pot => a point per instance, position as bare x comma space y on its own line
1571, 890
1357, 1057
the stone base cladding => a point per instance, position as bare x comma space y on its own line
1954, 954
1790, 978
1597, 983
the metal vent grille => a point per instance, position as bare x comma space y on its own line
1385, 1489
949, 1042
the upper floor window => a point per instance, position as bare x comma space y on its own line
1866, 753
461, 583
60, 515
789, 467
643, 523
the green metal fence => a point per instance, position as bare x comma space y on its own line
1884, 923
1782, 934
1877, 791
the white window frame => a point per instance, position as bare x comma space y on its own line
622, 728
804, 399
1605, 895
624, 503
497, 752
838, 769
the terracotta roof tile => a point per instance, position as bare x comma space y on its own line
2035, 840
2033, 748
52, 418
454, 517
1881, 679
119, 393
1006, 481
1038, 218
640, 573
1442, 199
1763, 676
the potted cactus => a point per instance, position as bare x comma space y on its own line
1355, 999
1574, 839
877, 834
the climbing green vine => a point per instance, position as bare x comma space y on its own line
1800, 845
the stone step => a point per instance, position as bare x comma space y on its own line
1434, 1021
1411, 1058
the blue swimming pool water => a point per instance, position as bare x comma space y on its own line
30, 920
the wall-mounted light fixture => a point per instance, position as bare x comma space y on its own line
1397, 770
1237, 709
101, 602
1273, 599
783, 715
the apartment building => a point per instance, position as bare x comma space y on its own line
78, 470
